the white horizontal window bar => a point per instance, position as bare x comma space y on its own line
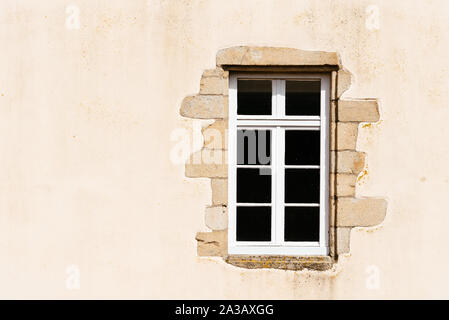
284, 250
254, 166
276, 76
301, 167
246, 204
300, 244
273, 118
301, 204
272, 244
276, 123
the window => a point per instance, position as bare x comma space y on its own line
278, 164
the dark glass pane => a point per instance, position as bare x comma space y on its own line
254, 97
302, 224
302, 185
253, 223
302, 147
302, 98
254, 147
253, 185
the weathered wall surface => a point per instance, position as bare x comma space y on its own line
93, 188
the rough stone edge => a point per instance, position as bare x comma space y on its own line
342, 234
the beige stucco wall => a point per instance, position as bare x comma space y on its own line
86, 117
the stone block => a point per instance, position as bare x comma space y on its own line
212, 244
358, 110
205, 107
274, 56
367, 212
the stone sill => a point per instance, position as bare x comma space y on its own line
318, 263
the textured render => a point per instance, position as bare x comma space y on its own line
86, 120
345, 162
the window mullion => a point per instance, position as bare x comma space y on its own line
324, 163
280, 148
274, 171
278, 163
280, 103
274, 191
274, 88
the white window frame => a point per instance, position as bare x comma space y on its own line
278, 121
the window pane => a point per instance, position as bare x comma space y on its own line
253, 147
302, 147
302, 98
254, 97
253, 185
302, 224
302, 185
253, 223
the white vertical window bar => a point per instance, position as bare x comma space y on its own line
232, 163
274, 90
280, 184
274, 195
280, 98
274, 189
324, 162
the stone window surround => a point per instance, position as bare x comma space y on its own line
346, 163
